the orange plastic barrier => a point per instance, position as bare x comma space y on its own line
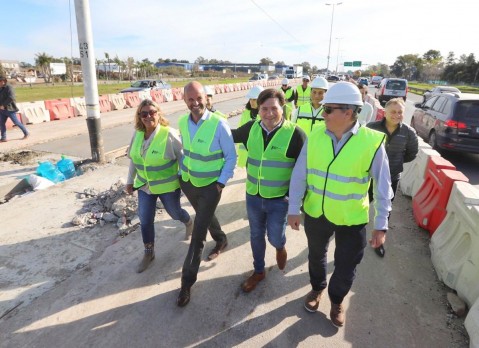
59, 109
177, 93
104, 102
157, 95
132, 99
430, 202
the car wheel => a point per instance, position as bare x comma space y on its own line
432, 140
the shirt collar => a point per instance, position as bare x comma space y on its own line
269, 132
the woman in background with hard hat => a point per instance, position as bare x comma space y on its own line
308, 115
249, 114
289, 95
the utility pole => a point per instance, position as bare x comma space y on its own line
331, 31
90, 84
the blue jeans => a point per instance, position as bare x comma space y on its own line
4, 115
266, 217
147, 211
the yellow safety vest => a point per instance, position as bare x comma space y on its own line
269, 170
337, 185
306, 119
303, 96
154, 169
240, 148
200, 165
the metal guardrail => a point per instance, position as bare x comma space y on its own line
417, 90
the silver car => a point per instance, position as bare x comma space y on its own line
146, 85
438, 90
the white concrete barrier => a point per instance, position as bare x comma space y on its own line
33, 112
472, 325
117, 101
413, 175
168, 94
79, 106
455, 244
144, 95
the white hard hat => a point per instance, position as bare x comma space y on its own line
285, 81
209, 90
343, 93
320, 82
306, 77
254, 92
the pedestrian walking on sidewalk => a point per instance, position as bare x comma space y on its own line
208, 162
8, 109
401, 145
154, 152
273, 144
334, 170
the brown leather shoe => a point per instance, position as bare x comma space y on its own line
337, 314
253, 280
184, 296
281, 258
220, 246
311, 302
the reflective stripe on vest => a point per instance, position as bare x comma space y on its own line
303, 96
306, 119
154, 169
337, 185
200, 165
269, 170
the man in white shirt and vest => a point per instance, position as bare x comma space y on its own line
209, 158
333, 173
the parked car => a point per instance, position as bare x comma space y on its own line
376, 80
391, 88
146, 85
439, 90
449, 121
333, 78
364, 81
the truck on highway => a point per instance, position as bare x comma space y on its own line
294, 71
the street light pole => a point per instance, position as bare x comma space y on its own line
331, 32
337, 57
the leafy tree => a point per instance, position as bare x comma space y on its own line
432, 56
130, 65
306, 67
266, 61
2, 71
201, 60
43, 61
451, 59
406, 66
280, 62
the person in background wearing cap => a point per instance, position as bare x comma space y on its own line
308, 115
366, 114
333, 173
303, 92
289, 95
273, 145
209, 101
250, 113
401, 145
8, 109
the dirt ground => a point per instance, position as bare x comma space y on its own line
70, 286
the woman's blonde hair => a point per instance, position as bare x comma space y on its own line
139, 126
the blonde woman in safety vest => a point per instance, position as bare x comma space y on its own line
154, 152
332, 174
250, 113
273, 144
309, 115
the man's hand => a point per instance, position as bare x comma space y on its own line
378, 239
129, 189
294, 221
219, 188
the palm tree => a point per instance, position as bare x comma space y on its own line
43, 61
117, 61
107, 56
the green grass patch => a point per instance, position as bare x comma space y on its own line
426, 86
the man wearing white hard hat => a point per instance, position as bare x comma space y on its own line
309, 115
250, 113
333, 173
209, 101
303, 92
289, 95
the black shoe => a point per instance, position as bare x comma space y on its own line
217, 250
380, 251
184, 296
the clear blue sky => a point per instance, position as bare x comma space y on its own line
243, 31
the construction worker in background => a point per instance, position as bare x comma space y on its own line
209, 101
303, 92
309, 115
273, 145
289, 95
208, 162
366, 114
334, 169
250, 113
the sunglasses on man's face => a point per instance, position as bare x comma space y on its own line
329, 109
145, 114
